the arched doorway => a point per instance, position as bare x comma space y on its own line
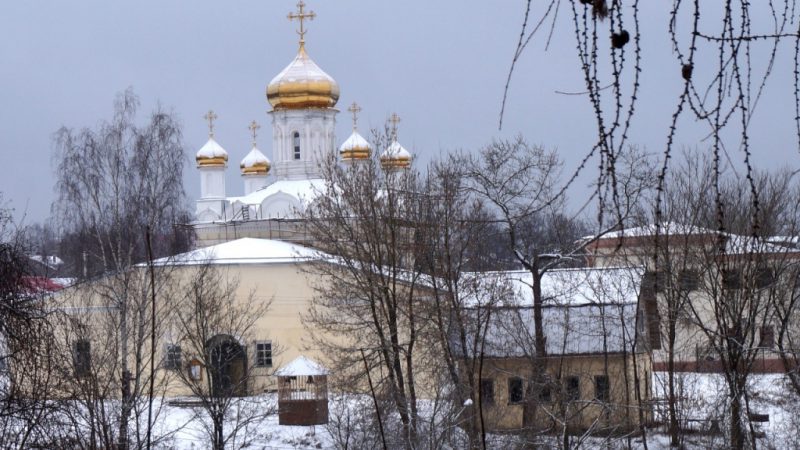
227, 366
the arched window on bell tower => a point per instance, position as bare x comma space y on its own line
296, 145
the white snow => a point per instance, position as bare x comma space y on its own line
573, 287
396, 151
586, 310
211, 149
305, 191
187, 428
245, 251
302, 68
301, 366
254, 157
734, 243
52, 261
355, 142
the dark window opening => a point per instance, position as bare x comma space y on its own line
81, 357
263, 354
657, 281
602, 389
765, 277
545, 395
688, 280
731, 279
572, 388
487, 392
514, 390
173, 357
767, 335
296, 144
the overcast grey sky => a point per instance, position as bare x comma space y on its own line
440, 65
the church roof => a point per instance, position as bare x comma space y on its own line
303, 190
355, 147
245, 251
211, 154
395, 156
255, 162
302, 84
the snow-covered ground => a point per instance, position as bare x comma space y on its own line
703, 397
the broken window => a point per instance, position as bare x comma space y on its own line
514, 390
572, 388
602, 390
487, 391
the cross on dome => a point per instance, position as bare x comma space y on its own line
210, 117
254, 127
301, 16
354, 110
394, 119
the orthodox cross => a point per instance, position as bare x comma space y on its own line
394, 120
301, 16
354, 110
210, 117
254, 127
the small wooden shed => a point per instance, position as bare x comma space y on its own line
302, 393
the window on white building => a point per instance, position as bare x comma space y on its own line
296, 145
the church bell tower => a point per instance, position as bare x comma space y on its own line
302, 97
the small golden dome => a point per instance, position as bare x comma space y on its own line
395, 157
211, 155
255, 163
355, 148
302, 84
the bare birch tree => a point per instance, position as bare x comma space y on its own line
114, 183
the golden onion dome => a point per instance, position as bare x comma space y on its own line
355, 148
211, 155
255, 163
395, 157
302, 84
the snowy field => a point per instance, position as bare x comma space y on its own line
703, 397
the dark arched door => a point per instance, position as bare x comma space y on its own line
228, 366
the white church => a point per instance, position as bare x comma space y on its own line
276, 192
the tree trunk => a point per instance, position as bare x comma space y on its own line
125, 378
674, 430
219, 434
737, 433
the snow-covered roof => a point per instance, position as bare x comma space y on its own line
586, 310
50, 260
253, 158
569, 330
211, 149
581, 286
245, 251
305, 191
664, 229
735, 244
354, 142
301, 366
396, 151
302, 69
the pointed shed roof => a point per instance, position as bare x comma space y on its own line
302, 366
